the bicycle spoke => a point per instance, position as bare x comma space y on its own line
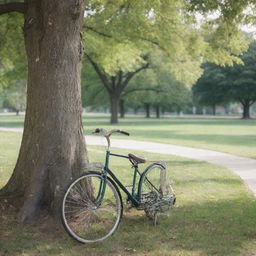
84, 219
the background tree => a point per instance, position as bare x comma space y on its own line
157, 88
142, 91
94, 95
220, 85
240, 80
210, 89
115, 85
15, 97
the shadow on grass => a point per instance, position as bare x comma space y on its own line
211, 228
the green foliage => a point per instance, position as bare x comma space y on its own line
15, 96
224, 84
93, 93
210, 87
158, 86
13, 65
240, 79
13, 70
119, 33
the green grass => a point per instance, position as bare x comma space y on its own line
215, 215
9, 148
233, 136
11, 120
228, 135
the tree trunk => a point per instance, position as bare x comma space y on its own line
122, 108
53, 148
135, 110
178, 111
147, 108
214, 109
114, 108
163, 110
246, 110
157, 107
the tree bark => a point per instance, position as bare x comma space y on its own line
114, 108
53, 149
147, 108
246, 110
122, 108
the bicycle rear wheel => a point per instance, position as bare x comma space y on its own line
153, 180
83, 217
156, 192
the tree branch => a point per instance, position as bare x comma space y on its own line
252, 102
110, 36
152, 42
241, 100
130, 75
102, 77
113, 82
120, 77
142, 89
96, 31
12, 7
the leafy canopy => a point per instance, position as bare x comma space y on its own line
119, 33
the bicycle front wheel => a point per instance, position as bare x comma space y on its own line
84, 218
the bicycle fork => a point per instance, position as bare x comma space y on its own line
102, 189
103, 181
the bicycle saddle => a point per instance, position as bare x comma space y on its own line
137, 159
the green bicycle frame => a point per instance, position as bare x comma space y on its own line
135, 198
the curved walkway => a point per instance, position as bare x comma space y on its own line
242, 166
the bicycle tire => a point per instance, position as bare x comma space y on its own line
152, 188
81, 218
150, 180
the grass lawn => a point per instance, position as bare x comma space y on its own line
215, 215
228, 135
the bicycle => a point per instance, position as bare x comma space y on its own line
92, 205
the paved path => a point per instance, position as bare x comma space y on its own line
242, 166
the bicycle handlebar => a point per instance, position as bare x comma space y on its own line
107, 134
123, 132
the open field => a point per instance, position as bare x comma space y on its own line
215, 215
228, 135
